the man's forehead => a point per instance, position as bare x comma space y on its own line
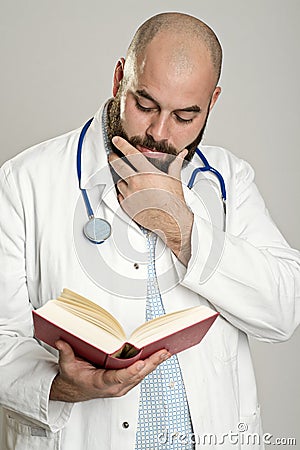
175, 63
166, 86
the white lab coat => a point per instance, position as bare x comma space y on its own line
253, 282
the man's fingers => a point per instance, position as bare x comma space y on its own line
120, 166
124, 146
137, 371
66, 354
134, 156
153, 361
176, 165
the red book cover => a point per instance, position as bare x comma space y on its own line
49, 333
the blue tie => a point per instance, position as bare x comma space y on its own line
164, 419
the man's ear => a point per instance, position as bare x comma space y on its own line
118, 75
214, 97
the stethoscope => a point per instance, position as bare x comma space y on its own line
97, 230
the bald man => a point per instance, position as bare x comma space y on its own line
141, 144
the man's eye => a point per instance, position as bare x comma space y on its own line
181, 120
142, 108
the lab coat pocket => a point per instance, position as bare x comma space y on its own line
20, 434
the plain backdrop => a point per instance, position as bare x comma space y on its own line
57, 59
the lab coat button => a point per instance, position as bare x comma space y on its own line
136, 266
125, 425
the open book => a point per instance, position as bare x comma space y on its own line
95, 335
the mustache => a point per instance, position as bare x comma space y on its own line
152, 144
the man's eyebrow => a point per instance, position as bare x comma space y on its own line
145, 94
193, 108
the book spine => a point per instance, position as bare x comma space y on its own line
120, 363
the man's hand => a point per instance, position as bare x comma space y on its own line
153, 198
78, 380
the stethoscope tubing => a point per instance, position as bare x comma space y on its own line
87, 203
207, 168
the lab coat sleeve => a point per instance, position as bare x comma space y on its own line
250, 274
26, 368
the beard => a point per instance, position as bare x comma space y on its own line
115, 128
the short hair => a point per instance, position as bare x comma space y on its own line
177, 23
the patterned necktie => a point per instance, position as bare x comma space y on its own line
164, 419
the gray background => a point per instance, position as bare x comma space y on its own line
57, 59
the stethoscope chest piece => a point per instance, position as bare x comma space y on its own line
97, 230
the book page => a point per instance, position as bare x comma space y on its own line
77, 326
91, 312
168, 324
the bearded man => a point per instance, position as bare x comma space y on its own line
167, 250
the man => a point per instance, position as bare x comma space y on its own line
163, 94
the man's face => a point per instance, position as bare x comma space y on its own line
161, 108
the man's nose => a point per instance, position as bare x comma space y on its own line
158, 128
